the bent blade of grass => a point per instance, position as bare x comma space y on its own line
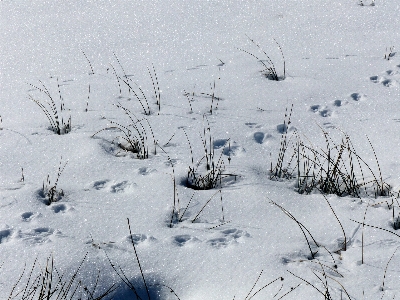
204, 206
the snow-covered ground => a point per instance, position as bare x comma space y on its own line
195, 52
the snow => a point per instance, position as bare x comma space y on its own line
336, 78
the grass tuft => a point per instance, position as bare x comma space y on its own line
49, 108
335, 169
136, 89
214, 165
134, 137
269, 66
49, 283
178, 214
51, 192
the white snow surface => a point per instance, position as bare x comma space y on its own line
336, 79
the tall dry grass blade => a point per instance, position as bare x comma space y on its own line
137, 259
90, 64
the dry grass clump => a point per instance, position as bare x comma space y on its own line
50, 283
136, 90
269, 70
214, 165
50, 192
334, 169
134, 136
49, 108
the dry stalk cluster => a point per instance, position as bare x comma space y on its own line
214, 165
269, 70
135, 89
50, 192
132, 137
334, 169
49, 108
182, 214
51, 283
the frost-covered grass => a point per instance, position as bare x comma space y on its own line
235, 186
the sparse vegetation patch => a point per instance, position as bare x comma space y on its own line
50, 109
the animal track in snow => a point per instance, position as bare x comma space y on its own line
391, 78
5, 235
184, 239
171, 162
259, 137
57, 208
100, 184
27, 216
358, 97
339, 103
39, 235
322, 110
281, 128
234, 233
139, 238
325, 113
102, 245
228, 148
375, 79
218, 144
389, 82
219, 242
233, 150
315, 108
118, 187
332, 108
145, 171
227, 237
305, 258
